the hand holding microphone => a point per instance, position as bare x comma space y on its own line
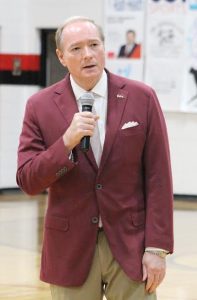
82, 125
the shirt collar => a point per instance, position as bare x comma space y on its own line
100, 88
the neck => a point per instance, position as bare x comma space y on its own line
88, 85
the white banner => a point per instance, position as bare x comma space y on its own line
165, 52
124, 19
130, 68
189, 99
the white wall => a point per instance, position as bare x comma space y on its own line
20, 21
182, 131
12, 104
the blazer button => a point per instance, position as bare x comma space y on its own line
99, 186
95, 220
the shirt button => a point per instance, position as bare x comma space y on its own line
99, 186
95, 220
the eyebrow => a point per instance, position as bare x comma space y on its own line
81, 42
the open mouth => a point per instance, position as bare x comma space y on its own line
89, 67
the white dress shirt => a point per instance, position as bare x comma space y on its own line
100, 102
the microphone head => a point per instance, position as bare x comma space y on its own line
87, 99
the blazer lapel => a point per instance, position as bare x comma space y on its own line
65, 100
116, 103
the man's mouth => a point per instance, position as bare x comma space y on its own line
89, 66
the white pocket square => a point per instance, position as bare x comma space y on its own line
130, 124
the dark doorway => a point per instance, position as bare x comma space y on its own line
51, 69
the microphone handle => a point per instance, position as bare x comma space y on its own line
85, 144
85, 141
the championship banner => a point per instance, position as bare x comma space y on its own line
124, 21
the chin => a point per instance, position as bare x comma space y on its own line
92, 76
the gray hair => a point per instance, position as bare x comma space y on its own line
58, 34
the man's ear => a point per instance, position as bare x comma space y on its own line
60, 56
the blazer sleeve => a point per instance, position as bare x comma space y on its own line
39, 166
158, 180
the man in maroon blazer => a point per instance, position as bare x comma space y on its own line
108, 225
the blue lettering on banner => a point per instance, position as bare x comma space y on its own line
169, 0
125, 71
193, 4
127, 5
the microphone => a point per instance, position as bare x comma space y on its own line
87, 101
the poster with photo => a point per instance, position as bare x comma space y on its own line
124, 32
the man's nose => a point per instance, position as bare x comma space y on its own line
87, 51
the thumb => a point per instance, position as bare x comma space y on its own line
144, 273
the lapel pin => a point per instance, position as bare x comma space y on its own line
120, 96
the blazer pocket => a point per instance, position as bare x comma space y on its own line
132, 131
138, 219
57, 223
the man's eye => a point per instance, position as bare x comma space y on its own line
94, 45
75, 49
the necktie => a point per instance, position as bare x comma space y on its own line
96, 142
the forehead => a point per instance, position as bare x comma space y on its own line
78, 31
130, 34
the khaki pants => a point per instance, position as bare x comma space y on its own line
105, 278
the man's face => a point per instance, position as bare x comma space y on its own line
82, 52
130, 38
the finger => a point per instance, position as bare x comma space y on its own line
161, 277
154, 285
90, 115
87, 114
150, 281
89, 120
156, 282
90, 123
144, 273
84, 123
80, 118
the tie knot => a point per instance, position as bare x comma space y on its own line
95, 95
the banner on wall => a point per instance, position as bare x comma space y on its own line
189, 99
124, 20
165, 40
166, 32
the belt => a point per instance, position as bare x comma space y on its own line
100, 229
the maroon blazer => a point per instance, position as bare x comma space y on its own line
131, 190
